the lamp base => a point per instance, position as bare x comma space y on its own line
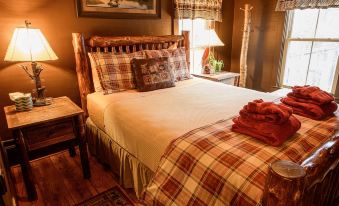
208, 70
38, 102
205, 59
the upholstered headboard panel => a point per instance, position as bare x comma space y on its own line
122, 44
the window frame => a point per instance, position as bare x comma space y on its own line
194, 51
290, 18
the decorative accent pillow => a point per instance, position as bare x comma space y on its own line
177, 60
152, 74
115, 70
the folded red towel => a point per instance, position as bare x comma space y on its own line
269, 122
273, 134
313, 111
258, 110
311, 94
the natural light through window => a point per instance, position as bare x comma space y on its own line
312, 49
196, 27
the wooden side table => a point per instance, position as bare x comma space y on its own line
223, 77
60, 122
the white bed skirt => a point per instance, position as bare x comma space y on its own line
132, 173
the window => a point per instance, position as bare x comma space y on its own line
196, 27
312, 49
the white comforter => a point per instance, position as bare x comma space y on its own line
145, 123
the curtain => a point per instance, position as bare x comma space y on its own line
284, 5
278, 83
192, 9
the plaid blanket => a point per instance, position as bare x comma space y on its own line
213, 166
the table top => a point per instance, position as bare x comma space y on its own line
61, 107
218, 76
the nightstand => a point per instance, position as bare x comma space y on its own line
60, 123
223, 77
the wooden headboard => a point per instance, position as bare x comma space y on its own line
122, 44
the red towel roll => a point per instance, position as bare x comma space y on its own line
266, 121
258, 110
313, 111
311, 94
272, 134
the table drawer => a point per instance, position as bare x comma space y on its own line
49, 134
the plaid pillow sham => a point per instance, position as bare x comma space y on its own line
115, 70
152, 74
95, 77
177, 60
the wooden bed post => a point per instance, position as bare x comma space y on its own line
83, 69
320, 185
284, 184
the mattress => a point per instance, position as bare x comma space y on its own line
144, 123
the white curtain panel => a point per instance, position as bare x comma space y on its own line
284, 5
193, 9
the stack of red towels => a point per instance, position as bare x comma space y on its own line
266, 121
311, 102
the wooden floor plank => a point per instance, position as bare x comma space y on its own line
102, 178
21, 191
51, 183
78, 187
19, 184
59, 180
101, 169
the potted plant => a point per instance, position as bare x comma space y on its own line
216, 65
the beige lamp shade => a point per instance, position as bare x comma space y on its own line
208, 38
29, 44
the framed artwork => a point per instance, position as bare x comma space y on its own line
119, 9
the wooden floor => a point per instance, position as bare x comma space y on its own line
59, 181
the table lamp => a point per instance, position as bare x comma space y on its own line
29, 45
207, 39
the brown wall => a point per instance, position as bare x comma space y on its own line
224, 30
57, 20
265, 42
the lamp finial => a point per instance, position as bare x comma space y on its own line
28, 24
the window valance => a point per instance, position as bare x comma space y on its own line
192, 9
284, 5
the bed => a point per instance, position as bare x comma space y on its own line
131, 140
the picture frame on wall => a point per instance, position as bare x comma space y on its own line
119, 9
